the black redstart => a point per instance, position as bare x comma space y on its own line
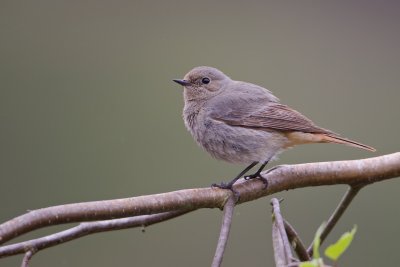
240, 122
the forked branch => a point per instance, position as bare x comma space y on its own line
354, 173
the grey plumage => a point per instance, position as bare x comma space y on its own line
241, 122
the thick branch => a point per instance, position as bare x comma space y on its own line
289, 177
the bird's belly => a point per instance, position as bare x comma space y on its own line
239, 145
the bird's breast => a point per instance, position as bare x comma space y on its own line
190, 117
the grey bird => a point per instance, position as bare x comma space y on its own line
244, 123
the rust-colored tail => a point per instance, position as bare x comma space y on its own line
331, 138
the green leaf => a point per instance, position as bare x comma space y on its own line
317, 241
313, 263
334, 251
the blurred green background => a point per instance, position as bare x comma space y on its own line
88, 111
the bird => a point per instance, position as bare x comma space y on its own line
244, 123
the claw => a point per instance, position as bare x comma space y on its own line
257, 175
264, 180
222, 185
252, 176
229, 187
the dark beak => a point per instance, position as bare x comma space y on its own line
182, 82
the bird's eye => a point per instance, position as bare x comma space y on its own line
205, 80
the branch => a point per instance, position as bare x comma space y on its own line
224, 233
282, 246
351, 172
85, 229
337, 214
296, 242
277, 243
27, 258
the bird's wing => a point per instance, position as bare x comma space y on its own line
267, 115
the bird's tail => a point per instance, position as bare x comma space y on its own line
332, 138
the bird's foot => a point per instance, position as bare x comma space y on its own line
228, 186
252, 176
223, 185
263, 179
257, 175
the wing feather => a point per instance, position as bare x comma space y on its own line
273, 116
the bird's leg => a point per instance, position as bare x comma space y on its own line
257, 174
230, 184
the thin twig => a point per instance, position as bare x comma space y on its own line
278, 220
84, 229
296, 242
279, 248
337, 214
27, 258
224, 233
